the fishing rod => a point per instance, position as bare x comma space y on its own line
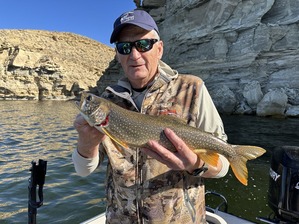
37, 178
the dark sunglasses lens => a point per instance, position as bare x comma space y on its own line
143, 45
124, 48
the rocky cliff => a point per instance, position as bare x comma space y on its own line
246, 51
49, 65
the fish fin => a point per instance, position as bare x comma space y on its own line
209, 157
240, 170
117, 146
248, 151
238, 164
123, 144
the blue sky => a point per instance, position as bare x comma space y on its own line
90, 18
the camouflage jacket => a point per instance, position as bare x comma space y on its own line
141, 189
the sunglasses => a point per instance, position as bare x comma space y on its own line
143, 45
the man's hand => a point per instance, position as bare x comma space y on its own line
89, 138
183, 159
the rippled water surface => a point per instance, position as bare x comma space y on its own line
250, 201
43, 130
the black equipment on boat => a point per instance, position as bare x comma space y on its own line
38, 174
283, 194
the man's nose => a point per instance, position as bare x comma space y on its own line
134, 53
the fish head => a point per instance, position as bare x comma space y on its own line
94, 109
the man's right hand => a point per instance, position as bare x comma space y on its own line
89, 138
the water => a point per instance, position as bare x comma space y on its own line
251, 201
32, 130
43, 130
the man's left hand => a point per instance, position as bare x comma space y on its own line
183, 159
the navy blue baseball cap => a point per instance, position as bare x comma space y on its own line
137, 17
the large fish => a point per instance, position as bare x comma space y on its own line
132, 129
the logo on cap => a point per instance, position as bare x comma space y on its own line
127, 17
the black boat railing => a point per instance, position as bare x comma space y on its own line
37, 178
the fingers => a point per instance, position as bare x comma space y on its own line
177, 142
82, 126
183, 159
163, 155
79, 121
152, 154
89, 137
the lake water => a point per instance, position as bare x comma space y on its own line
31, 130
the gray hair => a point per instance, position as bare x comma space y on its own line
156, 34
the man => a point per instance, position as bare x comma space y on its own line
151, 185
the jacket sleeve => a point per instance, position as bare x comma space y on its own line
225, 167
85, 166
210, 121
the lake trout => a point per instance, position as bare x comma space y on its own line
132, 129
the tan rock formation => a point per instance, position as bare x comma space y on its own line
38, 64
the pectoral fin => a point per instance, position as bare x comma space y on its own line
209, 157
117, 146
119, 142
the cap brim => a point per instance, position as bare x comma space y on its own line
117, 30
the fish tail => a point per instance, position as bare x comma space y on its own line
238, 164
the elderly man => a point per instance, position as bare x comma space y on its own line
151, 185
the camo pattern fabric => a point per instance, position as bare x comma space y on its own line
140, 189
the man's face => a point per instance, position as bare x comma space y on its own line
140, 67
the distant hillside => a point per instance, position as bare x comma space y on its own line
37, 64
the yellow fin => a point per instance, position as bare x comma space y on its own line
116, 145
248, 151
209, 157
116, 140
240, 170
238, 164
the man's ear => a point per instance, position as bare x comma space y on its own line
160, 49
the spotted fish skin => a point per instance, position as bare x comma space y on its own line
132, 129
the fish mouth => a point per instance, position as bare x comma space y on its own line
100, 118
104, 123
101, 126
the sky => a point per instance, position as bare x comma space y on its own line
90, 18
